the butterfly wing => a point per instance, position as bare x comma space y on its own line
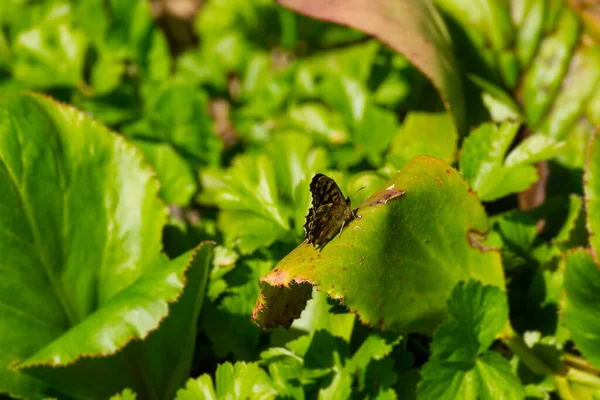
329, 211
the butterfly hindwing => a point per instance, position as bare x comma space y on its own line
329, 211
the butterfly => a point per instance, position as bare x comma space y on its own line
329, 212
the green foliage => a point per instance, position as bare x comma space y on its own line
74, 280
460, 365
261, 193
581, 306
592, 194
146, 259
239, 381
126, 394
482, 160
424, 133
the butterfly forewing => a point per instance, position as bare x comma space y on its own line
329, 211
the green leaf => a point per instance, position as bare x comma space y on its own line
230, 51
532, 150
424, 134
113, 109
573, 233
591, 187
126, 394
177, 182
226, 321
260, 194
199, 388
319, 120
394, 90
573, 113
319, 315
517, 230
355, 61
270, 96
496, 378
111, 365
247, 231
248, 187
305, 360
490, 175
295, 161
107, 72
490, 34
580, 309
159, 58
346, 95
384, 123
447, 380
50, 54
373, 348
530, 24
430, 227
478, 313
239, 381
83, 243
549, 67
501, 105
198, 69
129, 29
414, 28
489, 377
350, 98
176, 113
460, 366
327, 356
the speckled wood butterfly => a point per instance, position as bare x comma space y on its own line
329, 212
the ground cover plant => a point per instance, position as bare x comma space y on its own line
155, 171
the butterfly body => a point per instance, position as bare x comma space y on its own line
329, 212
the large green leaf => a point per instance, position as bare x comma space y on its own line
155, 367
396, 263
581, 305
592, 194
82, 271
412, 27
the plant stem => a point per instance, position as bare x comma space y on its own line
562, 375
583, 377
580, 363
518, 346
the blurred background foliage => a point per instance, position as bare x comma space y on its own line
237, 104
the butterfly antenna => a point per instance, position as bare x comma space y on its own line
358, 190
